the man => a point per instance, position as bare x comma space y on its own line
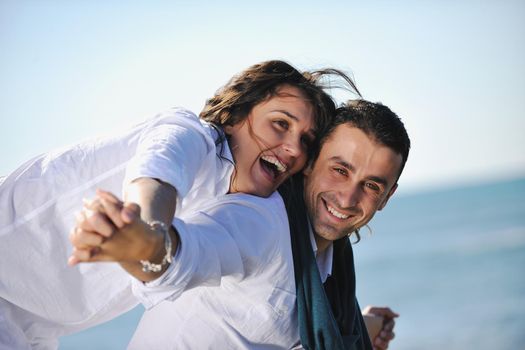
353, 175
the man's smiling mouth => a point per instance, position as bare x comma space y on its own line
335, 212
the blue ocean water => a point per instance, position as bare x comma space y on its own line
450, 262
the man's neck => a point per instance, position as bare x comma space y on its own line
322, 244
323, 258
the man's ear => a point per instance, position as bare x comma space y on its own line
390, 193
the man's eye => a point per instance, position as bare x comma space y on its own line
340, 171
372, 186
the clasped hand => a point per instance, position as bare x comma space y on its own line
108, 229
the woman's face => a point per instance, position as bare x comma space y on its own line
272, 142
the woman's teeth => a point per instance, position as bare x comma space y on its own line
281, 168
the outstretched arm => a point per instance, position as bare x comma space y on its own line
160, 165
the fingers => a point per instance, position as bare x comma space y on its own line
108, 204
380, 343
130, 212
385, 336
81, 221
99, 220
85, 239
108, 196
99, 216
380, 311
389, 325
120, 212
79, 255
106, 217
383, 340
88, 255
99, 223
113, 211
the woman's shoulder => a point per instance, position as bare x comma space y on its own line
184, 118
175, 115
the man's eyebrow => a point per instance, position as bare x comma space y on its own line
342, 162
378, 179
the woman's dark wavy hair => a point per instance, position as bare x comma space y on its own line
234, 101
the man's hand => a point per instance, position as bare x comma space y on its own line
386, 333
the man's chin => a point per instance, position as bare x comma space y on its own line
328, 232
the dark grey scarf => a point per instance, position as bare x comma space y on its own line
329, 316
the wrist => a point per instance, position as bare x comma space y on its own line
156, 249
161, 248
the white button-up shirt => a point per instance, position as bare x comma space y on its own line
41, 298
240, 248
231, 285
324, 259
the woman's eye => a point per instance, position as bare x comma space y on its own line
307, 141
282, 124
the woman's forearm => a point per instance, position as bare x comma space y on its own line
157, 201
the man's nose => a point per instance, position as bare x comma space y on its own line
349, 195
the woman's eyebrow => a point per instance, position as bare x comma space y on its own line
287, 113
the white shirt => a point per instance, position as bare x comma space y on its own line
324, 259
237, 252
231, 285
40, 296
247, 267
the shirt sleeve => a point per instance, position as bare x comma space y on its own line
235, 238
172, 149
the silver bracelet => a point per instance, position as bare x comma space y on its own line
148, 266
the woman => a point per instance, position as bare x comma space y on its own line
152, 162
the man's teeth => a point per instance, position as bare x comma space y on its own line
278, 165
336, 213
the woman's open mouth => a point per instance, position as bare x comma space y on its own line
272, 166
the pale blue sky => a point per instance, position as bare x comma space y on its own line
453, 70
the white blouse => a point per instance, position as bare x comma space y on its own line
231, 285
41, 297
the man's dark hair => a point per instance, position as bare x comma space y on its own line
375, 120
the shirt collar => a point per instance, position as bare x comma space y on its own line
325, 259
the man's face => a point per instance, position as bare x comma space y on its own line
352, 178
